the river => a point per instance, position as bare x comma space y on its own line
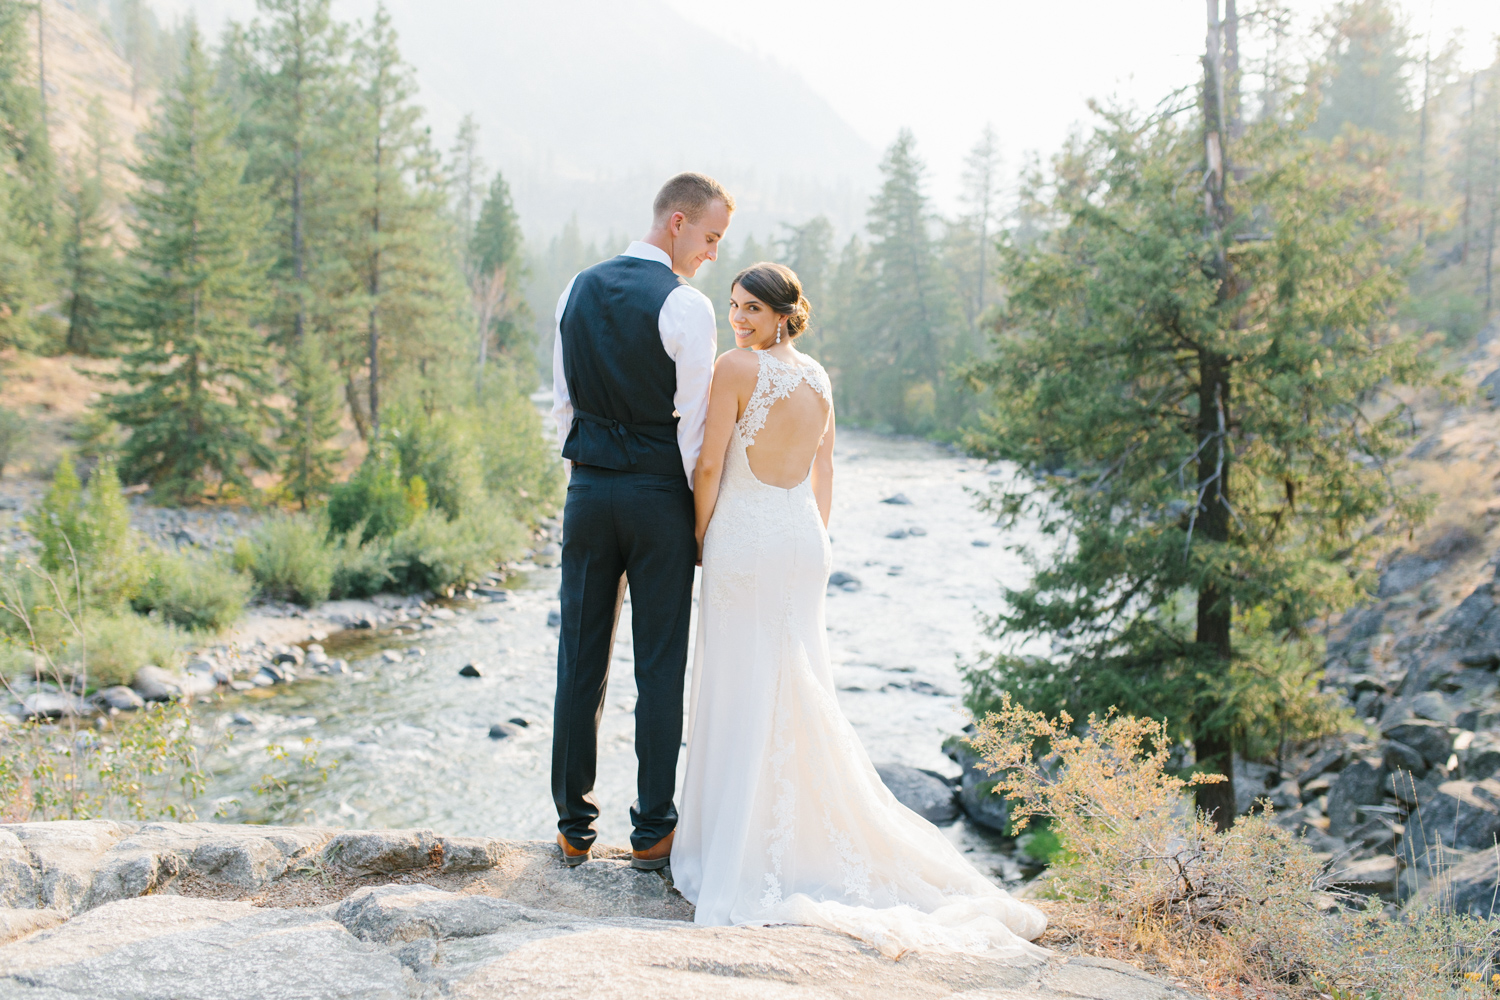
410, 740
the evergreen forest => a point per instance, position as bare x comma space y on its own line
1197, 329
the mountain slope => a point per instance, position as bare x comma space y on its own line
587, 105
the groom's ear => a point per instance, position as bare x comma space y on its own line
675, 222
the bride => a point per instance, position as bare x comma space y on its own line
784, 819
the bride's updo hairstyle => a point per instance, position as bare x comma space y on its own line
778, 287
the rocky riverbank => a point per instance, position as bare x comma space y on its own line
124, 911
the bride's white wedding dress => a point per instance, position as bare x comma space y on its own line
783, 818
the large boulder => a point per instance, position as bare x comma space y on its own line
1471, 887
1357, 785
155, 684
923, 792
1430, 739
197, 949
976, 790
61, 858
1461, 815
524, 926
383, 852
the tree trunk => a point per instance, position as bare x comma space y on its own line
1213, 744
298, 266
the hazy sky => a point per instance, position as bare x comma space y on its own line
946, 67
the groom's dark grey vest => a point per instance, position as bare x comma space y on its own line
620, 379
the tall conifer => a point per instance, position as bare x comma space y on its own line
88, 259
26, 183
413, 289
199, 371
499, 272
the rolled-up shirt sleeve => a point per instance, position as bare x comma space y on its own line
562, 403
690, 337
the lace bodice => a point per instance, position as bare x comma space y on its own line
775, 381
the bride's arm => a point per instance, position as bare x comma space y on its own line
723, 410
822, 471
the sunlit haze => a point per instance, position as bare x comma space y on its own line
943, 70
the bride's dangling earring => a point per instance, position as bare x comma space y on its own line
778, 332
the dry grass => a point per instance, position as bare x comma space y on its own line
1247, 912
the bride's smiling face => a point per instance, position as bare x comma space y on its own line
753, 321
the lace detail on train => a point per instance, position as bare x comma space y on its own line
784, 819
775, 381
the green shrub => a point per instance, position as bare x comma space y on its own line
89, 531
521, 467
290, 559
433, 552
375, 501
197, 592
117, 645
441, 452
361, 570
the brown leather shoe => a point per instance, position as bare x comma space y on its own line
572, 856
658, 855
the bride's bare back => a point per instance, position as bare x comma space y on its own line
780, 403
784, 421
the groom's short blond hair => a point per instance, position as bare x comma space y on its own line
690, 194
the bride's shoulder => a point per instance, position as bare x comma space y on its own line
737, 366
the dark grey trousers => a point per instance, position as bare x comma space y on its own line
639, 525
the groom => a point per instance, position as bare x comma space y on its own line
631, 369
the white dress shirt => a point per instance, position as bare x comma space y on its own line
690, 337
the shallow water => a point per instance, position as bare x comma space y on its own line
411, 741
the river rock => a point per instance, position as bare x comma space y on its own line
53, 705
1357, 785
470, 670
503, 730
155, 684
383, 851
923, 792
120, 698
898, 499
844, 581
976, 790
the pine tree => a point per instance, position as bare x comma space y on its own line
297, 150
197, 367
467, 171
301, 131
89, 266
982, 197
311, 464
27, 238
1196, 393
413, 289
1367, 66
808, 250
910, 315
499, 273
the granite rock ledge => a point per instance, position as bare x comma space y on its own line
107, 910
